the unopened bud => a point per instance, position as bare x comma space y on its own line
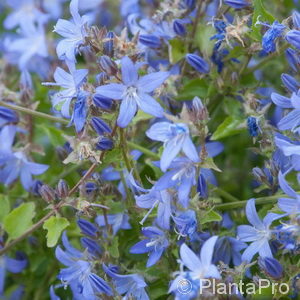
62, 189
107, 65
271, 267
109, 45
47, 193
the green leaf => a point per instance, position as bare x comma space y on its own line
55, 226
54, 134
141, 116
203, 35
4, 207
19, 220
230, 126
210, 216
114, 248
263, 15
196, 87
177, 50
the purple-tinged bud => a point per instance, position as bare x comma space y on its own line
296, 19
109, 45
90, 187
92, 247
104, 144
238, 4
102, 78
102, 102
47, 193
198, 111
259, 175
292, 58
293, 37
271, 267
150, 40
62, 189
290, 82
35, 189
87, 227
198, 63
179, 28
107, 65
7, 116
100, 126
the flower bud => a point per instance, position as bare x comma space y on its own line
47, 193
238, 4
100, 126
7, 116
109, 45
271, 267
35, 189
101, 78
202, 187
102, 102
296, 19
198, 63
62, 189
179, 28
150, 40
290, 82
293, 37
87, 227
90, 187
104, 144
259, 174
91, 245
292, 58
252, 124
107, 65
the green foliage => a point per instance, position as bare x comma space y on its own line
230, 126
19, 220
210, 216
177, 49
5, 207
55, 226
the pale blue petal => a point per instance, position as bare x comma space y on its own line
290, 121
154, 257
189, 149
286, 188
251, 251
281, 101
189, 258
160, 132
207, 251
150, 106
247, 233
252, 215
265, 250
129, 71
112, 90
152, 81
128, 109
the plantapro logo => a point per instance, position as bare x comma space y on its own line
184, 286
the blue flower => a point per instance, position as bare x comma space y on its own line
74, 33
130, 286
253, 127
293, 37
25, 13
78, 274
271, 266
155, 244
11, 265
71, 84
186, 223
176, 138
296, 19
118, 221
288, 205
290, 83
199, 267
259, 234
79, 112
269, 38
30, 44
14, 164
227, 250
7, 116
134, 92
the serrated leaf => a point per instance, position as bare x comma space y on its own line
263, 15
4, 207
230, 126
19, 220
55, 226
211, 216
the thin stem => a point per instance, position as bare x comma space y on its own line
226, 195
123, 146
33, 112
266, 60
144, 150
239, 204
